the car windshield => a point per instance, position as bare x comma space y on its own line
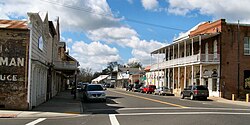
201, 87
165, 87
94, 88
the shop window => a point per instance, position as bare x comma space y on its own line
247, 46
247, 79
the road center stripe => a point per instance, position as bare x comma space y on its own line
113, 120
154, 100
36, 121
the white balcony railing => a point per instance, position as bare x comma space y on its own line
65, 65
199, 58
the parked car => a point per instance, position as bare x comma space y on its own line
94, 92
195, 91
137, 88
163, 91
107, 85
129, 87
148, 89
80, 86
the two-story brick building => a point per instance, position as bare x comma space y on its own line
216, 54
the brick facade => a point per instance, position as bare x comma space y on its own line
229, 51
13, 65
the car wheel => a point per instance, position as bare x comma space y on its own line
205, 98
182, 96
192, 97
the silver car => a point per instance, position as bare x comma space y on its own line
94, 92
163, 91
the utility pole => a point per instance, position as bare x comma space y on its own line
238, 59
75, 84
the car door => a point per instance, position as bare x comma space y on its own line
187, 91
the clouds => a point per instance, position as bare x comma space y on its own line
126, 37
94, 55
74, 15
232, 10
100, 28
150, 4
111, 34
96, 20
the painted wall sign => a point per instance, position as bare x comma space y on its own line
12, 60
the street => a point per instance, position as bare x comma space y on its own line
128, 108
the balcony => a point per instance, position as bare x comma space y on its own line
65, 65
195, 59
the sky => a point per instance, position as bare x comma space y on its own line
100, 31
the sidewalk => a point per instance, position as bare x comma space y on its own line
222, 100
62, 105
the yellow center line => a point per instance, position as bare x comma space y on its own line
154, 100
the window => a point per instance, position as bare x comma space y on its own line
247, 46
40, 43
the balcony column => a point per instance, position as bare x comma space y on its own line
185, 48
165, 52
158, 71
200, 47
173, 51
201, 73
178, 81
178, 56
192, 79
192, 46
165, 76
185, 76
168, 77
168, 53
173, 79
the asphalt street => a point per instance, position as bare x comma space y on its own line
131, 108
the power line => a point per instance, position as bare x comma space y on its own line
155, 25
111, 16
78, 8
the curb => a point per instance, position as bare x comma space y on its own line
8, 115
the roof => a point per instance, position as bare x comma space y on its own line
99, 78
147, 68
13, 24
195, 38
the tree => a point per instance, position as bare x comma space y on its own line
85, 75
135, 65
110, 67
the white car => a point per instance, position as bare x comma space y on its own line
163, 91
94, 92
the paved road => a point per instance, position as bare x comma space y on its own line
130, 108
